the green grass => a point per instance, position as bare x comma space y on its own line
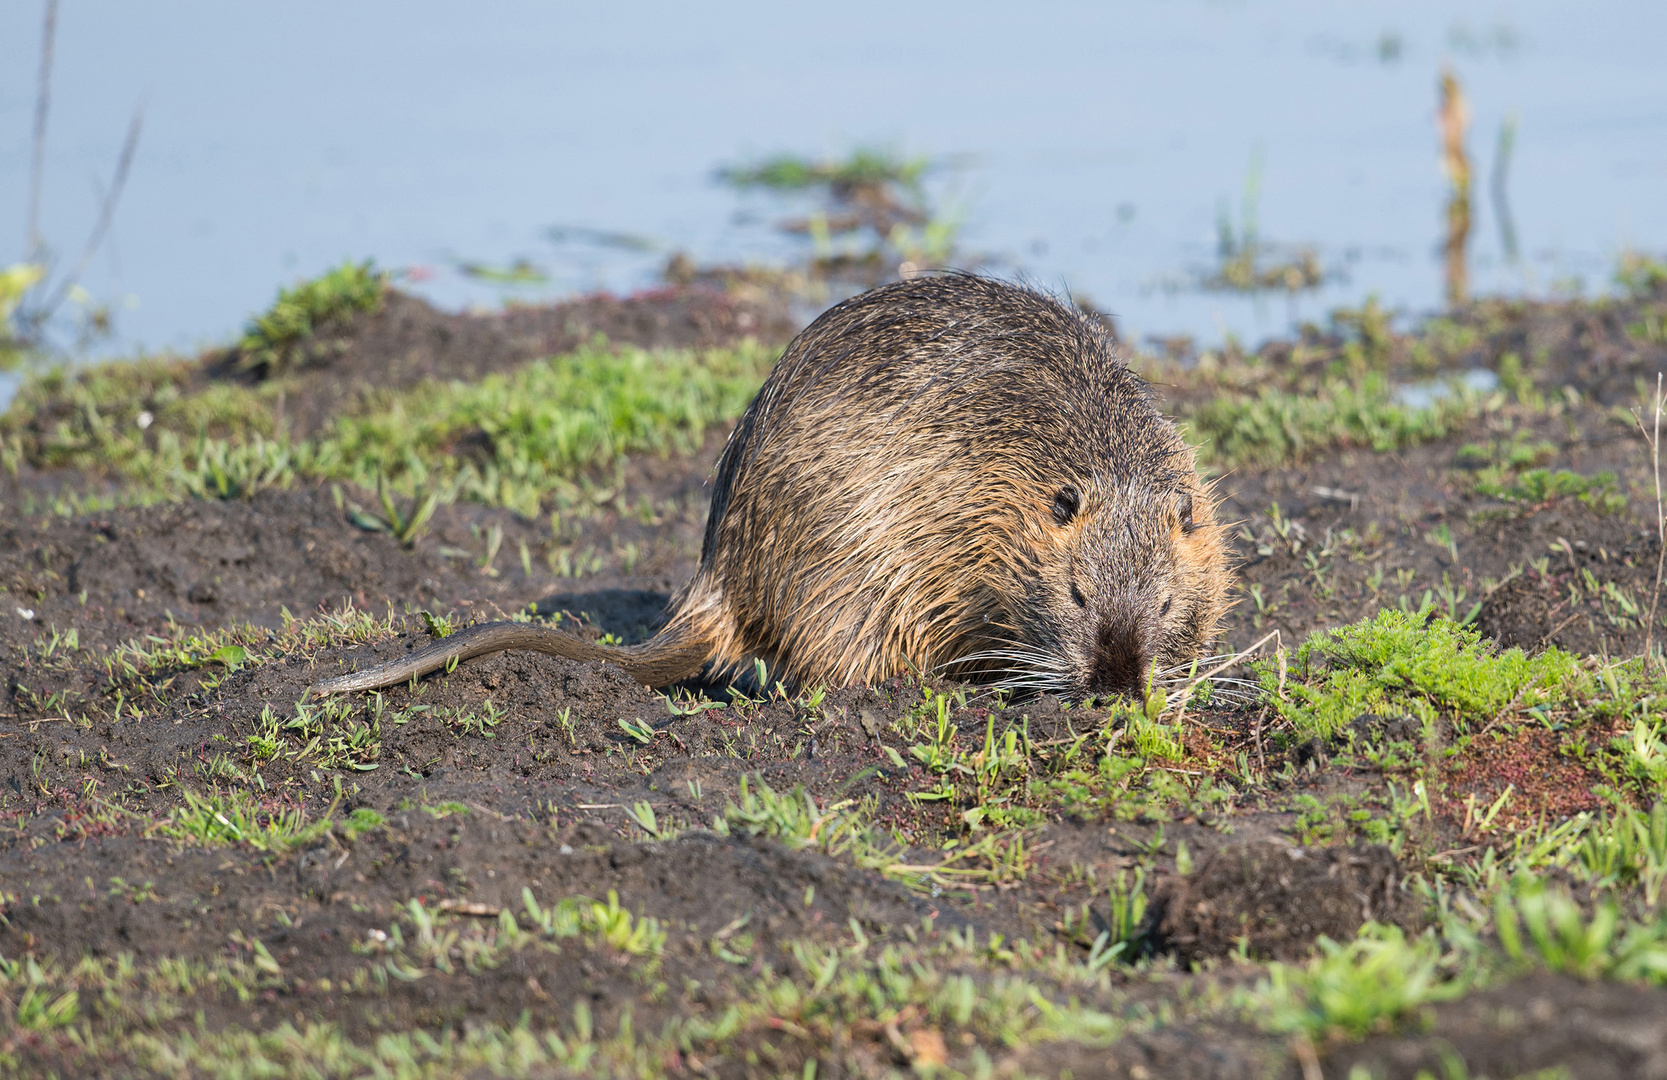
1354, 989
1411, 662
1277, 425
530, 434
99, 418
238, 817
1541, 924
986, 787
279, 339
548, 422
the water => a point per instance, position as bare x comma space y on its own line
1092, 144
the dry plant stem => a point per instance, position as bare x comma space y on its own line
1303, 1050
106, 211
1236, 658
33, 242
1653, 437
1453, 118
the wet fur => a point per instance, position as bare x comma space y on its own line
892, 501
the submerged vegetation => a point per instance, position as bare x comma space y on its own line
867, 219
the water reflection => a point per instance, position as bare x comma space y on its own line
1102, 141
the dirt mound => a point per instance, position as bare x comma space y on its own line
1272, 900
1541, 1025
1576, 593
408, 340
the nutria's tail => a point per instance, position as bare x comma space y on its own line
676, 653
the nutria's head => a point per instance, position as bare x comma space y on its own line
1130, 584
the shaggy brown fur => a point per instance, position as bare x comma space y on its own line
949, 473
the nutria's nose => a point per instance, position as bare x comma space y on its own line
1118, 665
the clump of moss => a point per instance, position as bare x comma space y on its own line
1641, 275
282, 338
1410, 663
1535, 486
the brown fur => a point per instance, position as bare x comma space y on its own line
946, 473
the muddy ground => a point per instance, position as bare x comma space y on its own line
149, 651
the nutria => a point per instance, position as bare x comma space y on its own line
948, 473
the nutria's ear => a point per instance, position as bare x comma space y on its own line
1065, 505
1187, 524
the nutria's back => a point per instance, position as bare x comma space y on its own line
949, 473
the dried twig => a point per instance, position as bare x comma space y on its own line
106, 211
34, 318
1238, 657
34, 242
1653, 438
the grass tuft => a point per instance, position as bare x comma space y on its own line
1275, 426
281, 339
519, 439
1409, 662
1354, 989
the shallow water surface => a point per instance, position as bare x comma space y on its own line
1091, 146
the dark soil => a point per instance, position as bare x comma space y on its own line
541, 798
1274, 899
1594, 1031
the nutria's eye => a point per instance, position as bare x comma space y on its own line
1076, 594
1166, 604
1065, 505
1187, 524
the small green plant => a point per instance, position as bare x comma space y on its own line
467, 721
438, 626
279, 340
1627, 847
640, 730
237, 817
218, 469
37, 1010
335, 736
642, 813
1644, 755
1357, 988
1561, 937
792, 818
1409, 662
1539, 486
362, 821
1125, 927
607, 923
403, 524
